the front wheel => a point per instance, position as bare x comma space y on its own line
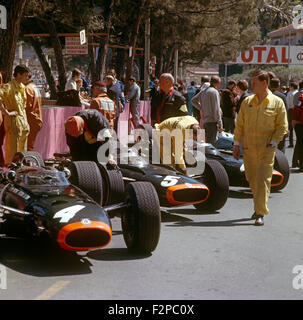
141, 222
216, 179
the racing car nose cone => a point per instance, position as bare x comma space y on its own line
187, 194
277, 178
84, 236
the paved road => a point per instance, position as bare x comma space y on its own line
212, 256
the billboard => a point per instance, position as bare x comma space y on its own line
74, 47
271, 55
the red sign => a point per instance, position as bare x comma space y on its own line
74, 47
264, 55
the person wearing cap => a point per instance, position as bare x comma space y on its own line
81, 132
103, 103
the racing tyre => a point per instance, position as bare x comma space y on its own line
281, 165
113, 185
141, 221
29, 158
216, 179
86, 176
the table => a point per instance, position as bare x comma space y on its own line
51, 137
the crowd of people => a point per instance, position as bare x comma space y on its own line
260, 121
217, 109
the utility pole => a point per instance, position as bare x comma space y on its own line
147, 55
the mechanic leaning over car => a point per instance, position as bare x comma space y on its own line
177, 149
168, 102
13, 103
262, 123
81, 132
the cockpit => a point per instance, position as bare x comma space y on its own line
34, 177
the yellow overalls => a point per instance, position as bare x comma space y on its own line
177, 149
13, 96
259, 124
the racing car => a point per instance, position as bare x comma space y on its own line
68, 206
234, 168
207, 191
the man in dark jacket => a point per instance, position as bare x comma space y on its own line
81, 132
228, 106
242, 89
169, 102
274, 87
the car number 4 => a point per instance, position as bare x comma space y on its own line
68, 213
169, 181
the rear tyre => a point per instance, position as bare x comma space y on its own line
113, 185
86, 176
141, 222
28, 158
281, 165
216, 179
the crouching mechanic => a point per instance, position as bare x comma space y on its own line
177, 139
82, 131
262, 123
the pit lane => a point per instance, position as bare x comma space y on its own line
210, 256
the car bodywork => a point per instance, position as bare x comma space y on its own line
72, 207
236, 169
175, 188
36, 200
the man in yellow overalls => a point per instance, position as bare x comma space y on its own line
13, 97
262, 123
177, 142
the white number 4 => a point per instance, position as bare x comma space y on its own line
67, 213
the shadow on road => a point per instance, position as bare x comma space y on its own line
294, 170
28, 257
240, 194
115, 254
169, 216
226, 223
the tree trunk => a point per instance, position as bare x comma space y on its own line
56, 44
92, 61
9, 36
133, 41
104, 42
46, 68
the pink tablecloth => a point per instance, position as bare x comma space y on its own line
51, 137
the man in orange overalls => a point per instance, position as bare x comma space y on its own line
33, 113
